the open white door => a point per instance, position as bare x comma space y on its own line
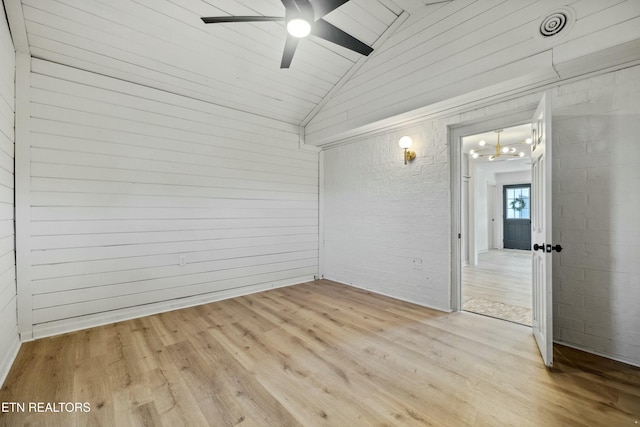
541, 228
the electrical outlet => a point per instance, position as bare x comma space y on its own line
417, 264
183, 260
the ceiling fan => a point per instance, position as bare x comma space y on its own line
303, 17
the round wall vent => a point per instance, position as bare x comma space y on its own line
560, 20
553, 24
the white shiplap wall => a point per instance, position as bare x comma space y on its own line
127, 180
8, 331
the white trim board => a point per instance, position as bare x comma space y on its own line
15, 17
23, 194
101, 319
7, 363
321, 205
597, 353
443, 310
453, 107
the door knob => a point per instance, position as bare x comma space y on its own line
556, 248
538, 247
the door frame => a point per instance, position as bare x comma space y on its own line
456, 133
491, 209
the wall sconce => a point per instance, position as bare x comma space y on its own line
405, 143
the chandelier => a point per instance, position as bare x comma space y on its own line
492, 152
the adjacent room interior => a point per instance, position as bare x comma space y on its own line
496, 224
280, 212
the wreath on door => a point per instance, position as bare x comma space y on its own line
518, 203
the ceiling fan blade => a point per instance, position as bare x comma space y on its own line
323, 7
289, 49
289, 4
325, 30
305, 8
224, 19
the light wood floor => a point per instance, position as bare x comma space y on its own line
502, 277
320, 354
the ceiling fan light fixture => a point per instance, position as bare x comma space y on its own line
302, 18
299, 27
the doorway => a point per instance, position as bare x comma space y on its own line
496, 279
538, 117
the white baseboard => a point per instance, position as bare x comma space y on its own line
597, 353
445, 310
100, 319
9, 358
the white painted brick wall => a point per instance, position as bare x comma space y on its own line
381, 214
596, 149
596, 128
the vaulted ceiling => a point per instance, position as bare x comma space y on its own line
430, 55
164, 44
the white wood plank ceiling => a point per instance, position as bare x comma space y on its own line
164, 44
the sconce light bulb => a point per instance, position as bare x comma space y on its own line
482, 143
528, 140
491, 158
472, 152
475, 155
405, 142
505, 150
521, 154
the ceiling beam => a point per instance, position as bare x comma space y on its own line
354, 69
17, 26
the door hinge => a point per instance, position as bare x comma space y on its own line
459, 235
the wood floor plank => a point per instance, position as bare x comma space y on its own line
499, 285
316, 354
